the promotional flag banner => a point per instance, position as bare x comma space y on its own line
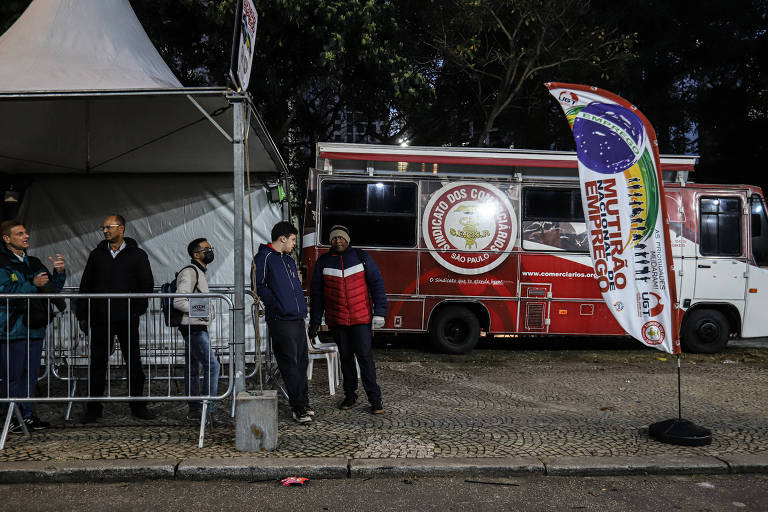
248, 22
622, 195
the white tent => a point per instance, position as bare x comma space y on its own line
86, 96
74, 45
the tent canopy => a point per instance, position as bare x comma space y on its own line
82, 89
151, 131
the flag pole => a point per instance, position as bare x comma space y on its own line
677, 431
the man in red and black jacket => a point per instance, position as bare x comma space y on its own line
348, 287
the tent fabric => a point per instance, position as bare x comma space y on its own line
118, 132
163, 213
65, 45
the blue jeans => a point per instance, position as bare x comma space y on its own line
199, 354
19, 369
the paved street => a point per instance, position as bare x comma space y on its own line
503, 400
596, 494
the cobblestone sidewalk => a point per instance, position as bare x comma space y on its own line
496, 403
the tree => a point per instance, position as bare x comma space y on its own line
495, 53
10, 10
700, 77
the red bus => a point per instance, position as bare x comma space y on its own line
488, 242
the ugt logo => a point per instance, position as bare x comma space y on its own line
650, 304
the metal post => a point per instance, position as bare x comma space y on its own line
238, 314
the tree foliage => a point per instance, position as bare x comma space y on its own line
459, 72
496, 54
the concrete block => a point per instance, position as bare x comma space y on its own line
490, 466
256, 421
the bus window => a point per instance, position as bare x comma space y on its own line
720, 226
377, 213
759, 231
553, 220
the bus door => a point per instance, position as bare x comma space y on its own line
721, 266
681, 219
757, 274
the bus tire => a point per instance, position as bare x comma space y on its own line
455, 330
705, 331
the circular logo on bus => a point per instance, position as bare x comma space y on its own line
469, 227
653, 333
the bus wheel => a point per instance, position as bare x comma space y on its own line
455, 330
705, 332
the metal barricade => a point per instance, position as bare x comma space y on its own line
67, 372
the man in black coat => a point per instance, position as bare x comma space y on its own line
116, 265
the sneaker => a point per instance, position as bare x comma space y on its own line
15, 427
308, 409
348, 402
376, 407
35, 423
143, 413
194, 415
302, 417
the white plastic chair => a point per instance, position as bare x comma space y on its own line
329, 352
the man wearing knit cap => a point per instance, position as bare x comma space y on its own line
347, 286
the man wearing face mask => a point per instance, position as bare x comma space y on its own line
348, 286
197, 343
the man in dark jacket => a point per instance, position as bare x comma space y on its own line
277, 285
348, 287
116, 265
22, 321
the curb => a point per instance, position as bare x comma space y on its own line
641, 465
264, 469
86, 471
256, 469
505, 466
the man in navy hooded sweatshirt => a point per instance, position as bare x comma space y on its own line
277, 284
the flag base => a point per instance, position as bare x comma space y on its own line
680, 432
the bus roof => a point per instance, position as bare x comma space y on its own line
525, 158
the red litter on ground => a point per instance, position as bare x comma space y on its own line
293, 480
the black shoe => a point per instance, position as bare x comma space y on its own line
35, 423
376, 407
143, 413
308, 409
90, 416
348, 402
302, 417
15, 427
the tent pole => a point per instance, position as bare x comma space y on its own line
238, 314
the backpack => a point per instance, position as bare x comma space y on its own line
172, 316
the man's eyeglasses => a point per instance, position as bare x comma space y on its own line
207, 249
109, 226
